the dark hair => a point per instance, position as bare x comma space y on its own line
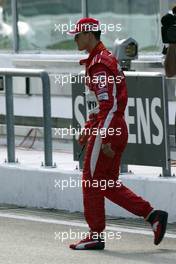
97, 34
174, 10
168, 20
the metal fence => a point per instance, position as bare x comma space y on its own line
8, 74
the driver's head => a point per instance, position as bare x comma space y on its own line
87, 31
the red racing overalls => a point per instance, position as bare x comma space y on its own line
100, 172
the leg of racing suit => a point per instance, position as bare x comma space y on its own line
97, 168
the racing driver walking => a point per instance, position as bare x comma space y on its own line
104, 151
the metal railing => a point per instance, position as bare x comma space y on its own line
8, 74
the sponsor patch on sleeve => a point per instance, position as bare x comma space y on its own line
100, 79
103, 96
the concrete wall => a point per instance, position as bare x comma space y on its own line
39, 188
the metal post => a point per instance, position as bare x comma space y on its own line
124, 168
10, 119
15, 25
166, 170
47, 122
84, 8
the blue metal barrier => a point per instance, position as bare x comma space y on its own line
8, 74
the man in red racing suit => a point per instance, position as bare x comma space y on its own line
104, 148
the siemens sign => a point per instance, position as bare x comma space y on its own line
147, 120
147, 114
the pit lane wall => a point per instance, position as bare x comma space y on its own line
44, 188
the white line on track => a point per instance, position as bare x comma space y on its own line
132, 230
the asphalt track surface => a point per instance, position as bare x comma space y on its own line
43, 237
